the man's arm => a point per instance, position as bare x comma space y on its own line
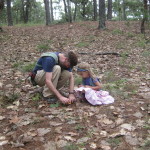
48, 81
71, 88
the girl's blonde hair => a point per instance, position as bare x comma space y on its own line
86, 66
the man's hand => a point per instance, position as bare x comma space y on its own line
64, 100
72, 98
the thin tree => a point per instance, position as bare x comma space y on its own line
83, 2
1, 9
51, 10
109, 13
145, 16
69, 11
26, 17
102, 17
75, 11
95, 9
66, 11
9, 15
47, 12
124, 10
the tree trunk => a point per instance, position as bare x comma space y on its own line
47, 12
102, 14
83, 12
27, 12
109, 13
66, 12
1, 9
124, 10
145, 17
75, 12
9, 15
69, 11
22, 15
95, 9
149, 10
51, 10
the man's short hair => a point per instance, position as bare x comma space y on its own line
73, 59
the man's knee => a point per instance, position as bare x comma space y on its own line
57, 68
65, 74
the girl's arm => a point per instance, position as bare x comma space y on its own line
97, 86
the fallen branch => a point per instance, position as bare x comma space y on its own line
106, 53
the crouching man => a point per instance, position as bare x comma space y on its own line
52, 71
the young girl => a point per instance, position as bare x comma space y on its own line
89, 79
90, 89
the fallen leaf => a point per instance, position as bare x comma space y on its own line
14, 120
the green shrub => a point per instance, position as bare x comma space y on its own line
82, 44
78, 80
28, 67
117, 31
43, 47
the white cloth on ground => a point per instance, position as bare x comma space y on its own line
96, 97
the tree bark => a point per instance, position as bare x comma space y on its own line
145, 17
47, 12
124, 10
109, 13
83, 12
51, 10
66, 12
69, 11
95, 9
22, 16
75, 12
149, 9
26, 17
1, 9
102, 14
9, 15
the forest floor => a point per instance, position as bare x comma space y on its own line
29, 123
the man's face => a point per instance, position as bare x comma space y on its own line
65, 63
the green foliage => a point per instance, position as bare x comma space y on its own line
8, 99
36, 97
54, 105
147, 143
24, 67
146, 53
120, 45
28, 67
119, 87
78, 80
82, 44
110, 76
70, 147
43, 47
141, 43
117, 32
79, 127
146, 127
114, 141
130, 35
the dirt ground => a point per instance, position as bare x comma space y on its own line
29, 123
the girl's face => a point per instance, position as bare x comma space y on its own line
84, 74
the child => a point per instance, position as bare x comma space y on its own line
91, 87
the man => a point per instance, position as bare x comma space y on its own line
52, 71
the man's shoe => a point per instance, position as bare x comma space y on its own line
50, 100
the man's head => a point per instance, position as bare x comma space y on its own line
68, 60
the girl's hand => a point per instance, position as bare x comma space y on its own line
80, 85
87, 86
